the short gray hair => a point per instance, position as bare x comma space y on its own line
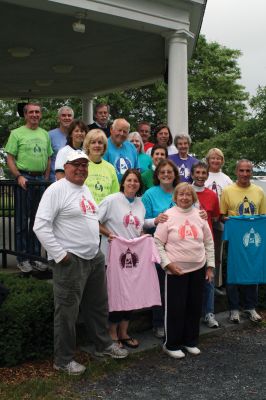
123, 120
61, 109
182, 136
242, 160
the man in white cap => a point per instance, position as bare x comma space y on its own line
67, 226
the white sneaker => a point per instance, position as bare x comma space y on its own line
234, 316
25, 266
253, 315
40, 266
193, 350
72, 368
210, 321
174, 353
159, 332
113, 351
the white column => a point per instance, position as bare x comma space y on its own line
87, 110
178, 82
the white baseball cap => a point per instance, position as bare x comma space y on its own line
76, 155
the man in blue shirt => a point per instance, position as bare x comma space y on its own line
120, 152
58, 135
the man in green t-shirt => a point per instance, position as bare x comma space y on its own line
28, 158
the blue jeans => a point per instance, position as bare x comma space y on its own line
26, 205
250, 296
208, 298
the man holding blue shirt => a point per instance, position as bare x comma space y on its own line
242, 198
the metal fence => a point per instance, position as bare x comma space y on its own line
18, 208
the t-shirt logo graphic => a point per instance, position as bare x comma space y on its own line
122, 165
128, 259
246, 207
37, 149
183, 171
98, 186
87, 206
216, 188
252, 238
131, 219
188, 231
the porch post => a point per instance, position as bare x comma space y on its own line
178, 82
87, 109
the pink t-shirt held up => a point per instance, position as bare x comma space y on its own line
132, 280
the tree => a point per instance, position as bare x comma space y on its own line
216, 100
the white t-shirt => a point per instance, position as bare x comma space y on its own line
121, 217
61, 157
217, 181
67, 221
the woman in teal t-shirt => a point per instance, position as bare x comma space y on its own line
157, 200
145, 161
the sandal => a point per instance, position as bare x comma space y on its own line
130, 342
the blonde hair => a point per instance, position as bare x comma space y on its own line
94, 134
182, 186
217, 152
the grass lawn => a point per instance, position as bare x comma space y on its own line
38, 380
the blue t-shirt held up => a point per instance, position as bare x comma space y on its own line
246, 261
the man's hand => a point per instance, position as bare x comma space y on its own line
22, 182
66, 259
203, 214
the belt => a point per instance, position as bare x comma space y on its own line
32, 173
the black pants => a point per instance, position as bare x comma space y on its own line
183, 306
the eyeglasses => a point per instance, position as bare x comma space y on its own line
79, 164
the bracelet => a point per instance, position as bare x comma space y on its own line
18, 176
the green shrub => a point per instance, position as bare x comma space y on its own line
26, 320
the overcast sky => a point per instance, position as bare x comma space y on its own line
240, 24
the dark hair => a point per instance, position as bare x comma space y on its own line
101, 105
158, 128
159, 146
199, 164
25, 108
137, 173
143, 123
162, 164
72, 126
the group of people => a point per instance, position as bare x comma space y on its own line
111, 185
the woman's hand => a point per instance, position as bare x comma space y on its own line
209, 274
203, 214
174, 269
161, 218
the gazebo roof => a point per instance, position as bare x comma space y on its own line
123, 44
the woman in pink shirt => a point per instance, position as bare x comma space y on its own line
186, 249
